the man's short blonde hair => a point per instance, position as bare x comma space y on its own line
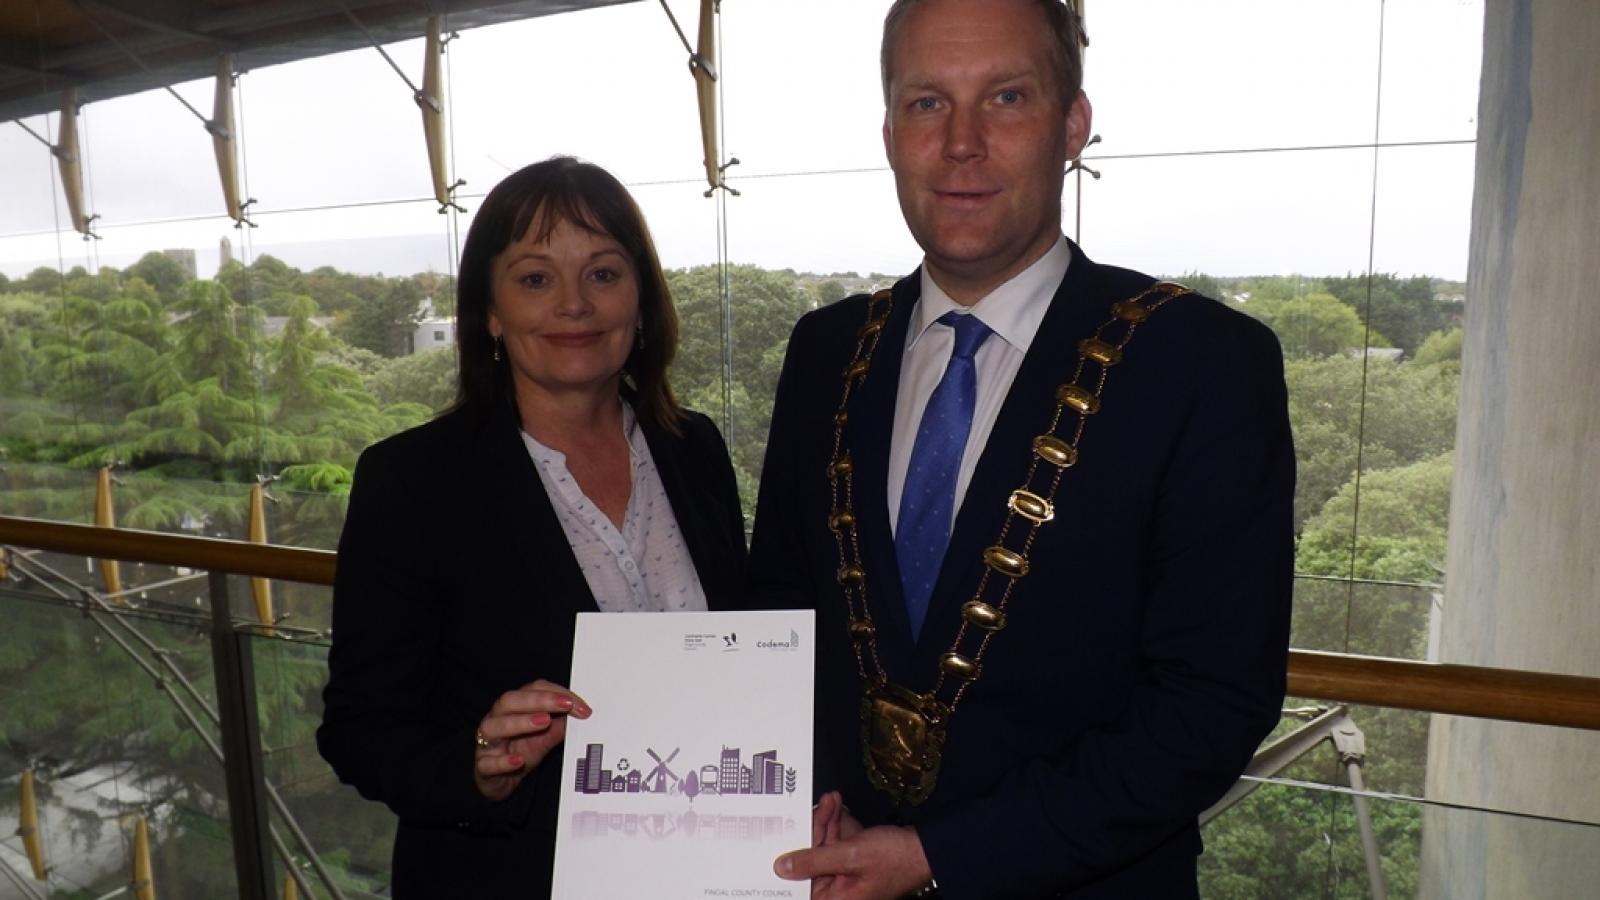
1066, 50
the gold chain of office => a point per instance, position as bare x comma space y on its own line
903, 732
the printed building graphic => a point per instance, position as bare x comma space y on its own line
729, 776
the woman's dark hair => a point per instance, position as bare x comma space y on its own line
541, 196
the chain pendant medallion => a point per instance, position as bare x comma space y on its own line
902, 741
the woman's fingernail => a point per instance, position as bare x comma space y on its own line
564, 702
516, 761
540, 720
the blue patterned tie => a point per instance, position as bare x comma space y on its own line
926, 503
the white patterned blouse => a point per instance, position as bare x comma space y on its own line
643, 567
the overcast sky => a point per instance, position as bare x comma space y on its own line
802, 97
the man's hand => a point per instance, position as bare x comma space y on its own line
849, 862
519, 731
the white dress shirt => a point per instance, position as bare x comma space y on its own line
646, 565
1013, 312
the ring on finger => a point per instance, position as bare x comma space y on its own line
480, 740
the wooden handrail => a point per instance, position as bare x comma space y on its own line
1512, 695
208, 554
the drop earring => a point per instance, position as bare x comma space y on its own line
638, 335
498, 343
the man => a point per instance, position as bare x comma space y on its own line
1052, 574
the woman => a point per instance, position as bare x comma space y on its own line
565, 478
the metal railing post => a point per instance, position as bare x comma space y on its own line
1351, 746
241, 748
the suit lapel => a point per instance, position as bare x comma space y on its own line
870, 430
1004, 460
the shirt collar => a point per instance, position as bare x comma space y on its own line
638, 447
1013, 310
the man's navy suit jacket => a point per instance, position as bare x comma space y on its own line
1144, 657
455, 584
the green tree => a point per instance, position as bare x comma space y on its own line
320, 411
271, 275
1400, 531
43, 280
765, 306
1404, 309
1441, 346
22, 317
1313, 325
161, 272
385, 324
427, 378
827, 291
1392, 413
214, 335
438, 291
1203, 283
94, 354
337, 291
1292, 843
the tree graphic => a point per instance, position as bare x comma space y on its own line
691, 786
788, 779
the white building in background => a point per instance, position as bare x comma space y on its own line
432, 333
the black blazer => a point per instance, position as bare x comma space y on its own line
1145, 654
455, 584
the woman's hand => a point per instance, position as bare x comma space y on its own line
522, 728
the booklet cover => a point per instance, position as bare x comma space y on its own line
694, 772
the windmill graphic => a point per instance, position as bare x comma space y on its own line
656, 780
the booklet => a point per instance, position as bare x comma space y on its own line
694, 773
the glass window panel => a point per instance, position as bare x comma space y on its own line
122, 245
523, 91
334, 129
1291, 841
821, 223
796, 242
682, 220
107, 745
44, 490
1305, 212
1424, 212
803, 85
394, 239
1261, 230
1168, 75
353, 837
1401, 620
146, 157
1432, 55
22, 253
29, 182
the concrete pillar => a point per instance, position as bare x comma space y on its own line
1522, 582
